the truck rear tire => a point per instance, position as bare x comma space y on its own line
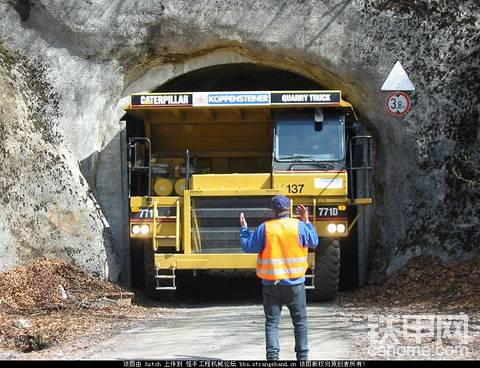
327, 270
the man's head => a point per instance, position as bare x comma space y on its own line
280, 206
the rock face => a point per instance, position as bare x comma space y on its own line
68, 66
47, 207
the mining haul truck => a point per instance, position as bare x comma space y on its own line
201, 158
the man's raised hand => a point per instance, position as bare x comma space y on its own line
303, 212
243, 222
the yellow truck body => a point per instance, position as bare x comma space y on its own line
235, 143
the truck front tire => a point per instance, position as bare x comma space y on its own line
149, 272
327, 270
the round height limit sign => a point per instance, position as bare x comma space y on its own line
397, 104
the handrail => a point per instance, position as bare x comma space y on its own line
131, 146
154, 218
177, 226
367, 168
187, 169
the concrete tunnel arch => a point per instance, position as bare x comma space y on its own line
236, 73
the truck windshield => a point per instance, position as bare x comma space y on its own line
297, 139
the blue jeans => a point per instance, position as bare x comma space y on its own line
274, 297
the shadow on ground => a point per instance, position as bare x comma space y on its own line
205, 290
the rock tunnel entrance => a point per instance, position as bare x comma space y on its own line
239, 77
253, 77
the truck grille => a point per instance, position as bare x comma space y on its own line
215, 221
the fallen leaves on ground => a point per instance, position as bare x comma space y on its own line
425, 283
50, 301
425, 286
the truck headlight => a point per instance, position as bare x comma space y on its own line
145, 229
341, 228
135, 229
331, 228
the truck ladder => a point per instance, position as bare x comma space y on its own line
310, 276
155, 219
160, 276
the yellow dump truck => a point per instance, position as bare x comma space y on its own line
198, 159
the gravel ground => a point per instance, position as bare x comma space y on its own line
423, 312
235, 331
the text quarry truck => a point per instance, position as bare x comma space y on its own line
204, 157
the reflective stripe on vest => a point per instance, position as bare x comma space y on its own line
283, 255
282, 272
284, 260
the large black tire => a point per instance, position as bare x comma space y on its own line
149, 272
327, 270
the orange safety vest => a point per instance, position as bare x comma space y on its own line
283, 256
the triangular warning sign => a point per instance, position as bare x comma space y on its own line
398, 80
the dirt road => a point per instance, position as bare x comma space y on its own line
221, 332
236, 331
223, 319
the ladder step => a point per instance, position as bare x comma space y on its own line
165, 276
310, 276
165, 237
165, 217
166, 288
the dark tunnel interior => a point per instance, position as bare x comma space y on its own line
241, 77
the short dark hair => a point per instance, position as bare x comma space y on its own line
283, 213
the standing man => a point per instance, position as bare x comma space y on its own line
282, 246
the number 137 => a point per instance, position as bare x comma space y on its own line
295, 188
